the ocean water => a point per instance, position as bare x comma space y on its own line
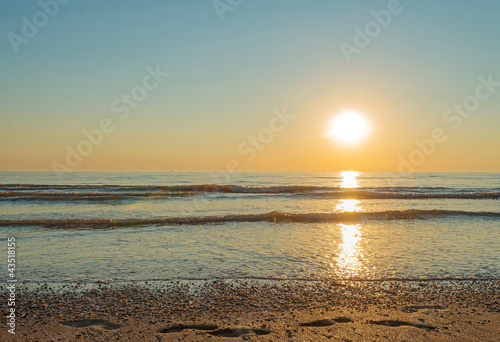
139, 226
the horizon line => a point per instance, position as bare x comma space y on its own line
243, 171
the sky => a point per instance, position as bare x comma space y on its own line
248, 85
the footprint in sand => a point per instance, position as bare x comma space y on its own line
213, 330
82, 323
236, 332
180, 327
327, 322
391, 323
415, 308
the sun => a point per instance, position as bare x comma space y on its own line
349, 127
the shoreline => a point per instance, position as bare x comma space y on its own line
255, 310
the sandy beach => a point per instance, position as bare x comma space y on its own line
433, 310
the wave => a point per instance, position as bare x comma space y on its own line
406, 195
209, 188
84, 196
27, 192
273, 217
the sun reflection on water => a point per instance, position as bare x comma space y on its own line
349, 179
348, 262
349, 206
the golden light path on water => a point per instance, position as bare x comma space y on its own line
349, 206
349, 179
348, 254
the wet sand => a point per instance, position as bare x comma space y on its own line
433, 310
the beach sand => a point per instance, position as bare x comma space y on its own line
431, 310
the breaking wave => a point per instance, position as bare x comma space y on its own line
273, 217
33, 192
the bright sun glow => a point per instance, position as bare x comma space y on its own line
348, 127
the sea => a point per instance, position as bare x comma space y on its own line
304, 226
